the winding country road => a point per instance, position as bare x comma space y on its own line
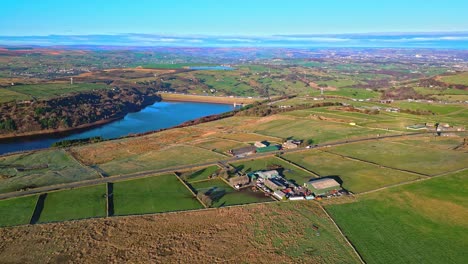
64, 186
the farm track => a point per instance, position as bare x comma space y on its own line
143, 174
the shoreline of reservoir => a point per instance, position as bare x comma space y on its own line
168, 114
175, 97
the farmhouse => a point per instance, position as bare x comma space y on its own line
261, 144
243, 152
416, 127
291, 144
239, 181
323, 186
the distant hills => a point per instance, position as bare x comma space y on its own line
441, 40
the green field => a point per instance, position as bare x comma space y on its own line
156, 194
8, 95
72, 204
17, 211
318, 131
289, 171
220, 145
61, 168
199, 175
349, 92
356, 176
423, 222
169, 157
288, 229
50, 90
414, 158
461, 78
224, 195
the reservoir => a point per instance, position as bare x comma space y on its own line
156, 116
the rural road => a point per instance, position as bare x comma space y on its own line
85, 183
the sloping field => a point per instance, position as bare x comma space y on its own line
40, 169
153, 195
8, 95
220, 145
424, 222
169, 157
74, 204
17, 211
356, 176
267, 233
318, 131
49, 90
118, 149
415, 158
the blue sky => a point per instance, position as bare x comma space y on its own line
223, 17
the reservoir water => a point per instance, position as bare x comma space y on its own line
156, 116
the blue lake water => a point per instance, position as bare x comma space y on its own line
157, 116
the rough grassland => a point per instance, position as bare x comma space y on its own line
17, 211
220, 145
224, 195
414, 158
153, 195
265, 233
125, 148
7, 96
461, 78
356, 176
170, 157
423, 222
74, 204
61, 169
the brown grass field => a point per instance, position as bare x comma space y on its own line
265, 233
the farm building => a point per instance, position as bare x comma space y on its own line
416, 127
243, 152
268, 149
240, 180
264, 174
261, 144
274, 184
280, 195
291, 144
322, 186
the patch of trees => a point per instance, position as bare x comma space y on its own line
266, 110
76, 142
75, 110
7, 124
402, 93
417, 112
431, 82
